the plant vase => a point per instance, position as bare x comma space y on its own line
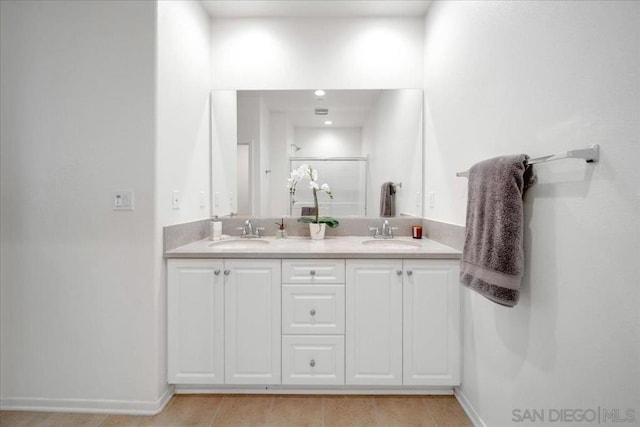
317, 231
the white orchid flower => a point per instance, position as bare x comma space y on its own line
325, 187
314, 185
314, 175
304, 170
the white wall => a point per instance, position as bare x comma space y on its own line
332, 53
392, 138
280, 139
254, 116
539, 78
184, 83
90, 85
182, 163
79, 303
224, 151
328, 142
265, 158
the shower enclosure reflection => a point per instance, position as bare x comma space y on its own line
347, 177
356, 140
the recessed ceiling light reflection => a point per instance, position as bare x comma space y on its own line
319, 92
328, 122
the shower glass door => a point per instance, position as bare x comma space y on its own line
347, 177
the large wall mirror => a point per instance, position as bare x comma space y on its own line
366, 144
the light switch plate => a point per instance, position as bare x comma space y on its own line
122, 200
202, 199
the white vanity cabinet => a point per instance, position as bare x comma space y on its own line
295, 324
402, 325
223, 321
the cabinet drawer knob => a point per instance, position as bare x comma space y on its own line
409, 272
312, 272
216, 272
313, 312
312, 363
399, 272
227, 272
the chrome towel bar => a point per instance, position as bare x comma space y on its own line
590, 154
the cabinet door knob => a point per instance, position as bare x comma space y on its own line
312, 363
409, 272
227, 272
312, 272
216, 272
399, 272
313, 312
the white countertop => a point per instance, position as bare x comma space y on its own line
304, 247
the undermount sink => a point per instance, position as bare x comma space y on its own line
239, 244
391, 244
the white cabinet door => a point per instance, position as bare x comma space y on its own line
431, 322
252, 321
374, 322
195, 322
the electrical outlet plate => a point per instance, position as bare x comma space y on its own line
122, 200
431, 200
175, 199
203, 200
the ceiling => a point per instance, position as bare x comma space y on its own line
314, 8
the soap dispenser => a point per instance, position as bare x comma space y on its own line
281, 233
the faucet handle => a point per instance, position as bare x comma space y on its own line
258, 230
375, 231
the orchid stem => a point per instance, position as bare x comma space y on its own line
315, 201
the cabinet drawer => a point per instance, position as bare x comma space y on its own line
313, 359
315, 309
312, 271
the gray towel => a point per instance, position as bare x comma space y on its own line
493, 256
387, 199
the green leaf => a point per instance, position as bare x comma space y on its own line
331, 222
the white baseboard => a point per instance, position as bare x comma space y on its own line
88, 406
468, 408
327, 390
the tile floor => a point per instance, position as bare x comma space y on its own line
268, 410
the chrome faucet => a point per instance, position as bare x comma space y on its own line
249, 232
384, 231
248, 228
